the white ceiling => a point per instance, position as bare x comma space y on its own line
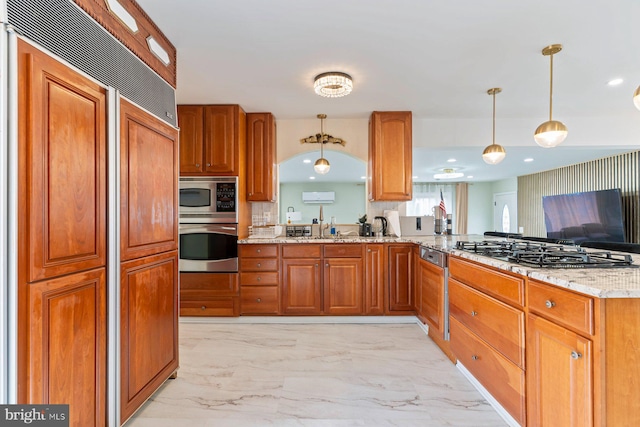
434, 58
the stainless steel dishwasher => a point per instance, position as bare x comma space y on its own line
433, 306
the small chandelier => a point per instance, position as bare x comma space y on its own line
494, 153
322, 165
333, 84
552, 132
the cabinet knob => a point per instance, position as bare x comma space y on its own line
316, 265
258, 250
326, 265
208, 164
550, 304
259, 265
259, 278
575, 355
368, 250
258, 299
204, 307
197, 165
474, 357
474, 313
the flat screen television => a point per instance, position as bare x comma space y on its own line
591, 215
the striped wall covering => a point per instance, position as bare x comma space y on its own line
621, 171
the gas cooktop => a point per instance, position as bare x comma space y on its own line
546, 255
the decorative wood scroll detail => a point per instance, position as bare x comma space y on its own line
137, 42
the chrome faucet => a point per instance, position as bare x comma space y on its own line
321, 218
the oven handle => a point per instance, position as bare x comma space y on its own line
208, 228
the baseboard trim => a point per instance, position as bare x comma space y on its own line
304, 319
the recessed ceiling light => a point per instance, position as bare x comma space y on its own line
615, 82
306, 161
312, 177
415, 177
451, 160
528, 159
469, 176
363, 177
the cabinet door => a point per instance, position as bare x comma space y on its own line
343, 286
432, 296
148, 185
191, 122
301, 290
261, 157
390, 156
400, 278
220, 138
148, 327
67, 345
62, 171
374, 279
559, 376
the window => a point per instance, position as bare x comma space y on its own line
426, 197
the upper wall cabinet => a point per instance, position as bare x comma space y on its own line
212, 139
261, 157
389, 168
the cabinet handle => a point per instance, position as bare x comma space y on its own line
474, 313
550, 304
258, 300
204, 307
575, 355
197, 165
474, 357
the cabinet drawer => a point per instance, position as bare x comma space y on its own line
564, 307
258, 264
301, 250
259, 300
499, 324
221, 306
220, 284
258, 251
267, 278
503, 379
505, 287
343, 250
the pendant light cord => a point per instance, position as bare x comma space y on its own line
494, 118
551, 88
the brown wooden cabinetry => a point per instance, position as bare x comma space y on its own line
390, 156
342, 281
261, 157
375, 265
212, 139
209, 294
301, 279
148, 328
400, 297
259, 279
430, 303
487, 333
62, 195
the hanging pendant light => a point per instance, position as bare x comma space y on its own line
494, 153
636, 98
552, 132
322, 165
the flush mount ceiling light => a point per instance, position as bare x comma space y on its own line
322, 165
494, 153
333, 84
448, 174
552, 132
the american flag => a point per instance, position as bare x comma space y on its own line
442, 207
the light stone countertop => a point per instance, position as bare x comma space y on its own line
621, 282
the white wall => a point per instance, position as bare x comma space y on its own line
349, 204
480, 208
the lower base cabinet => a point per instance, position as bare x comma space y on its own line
149, 327
343, 291
209, 294
400, 279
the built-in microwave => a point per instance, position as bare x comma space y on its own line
208, 199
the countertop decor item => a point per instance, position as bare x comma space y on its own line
333, 84
494, 153
552, 132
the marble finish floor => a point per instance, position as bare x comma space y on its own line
316, 375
